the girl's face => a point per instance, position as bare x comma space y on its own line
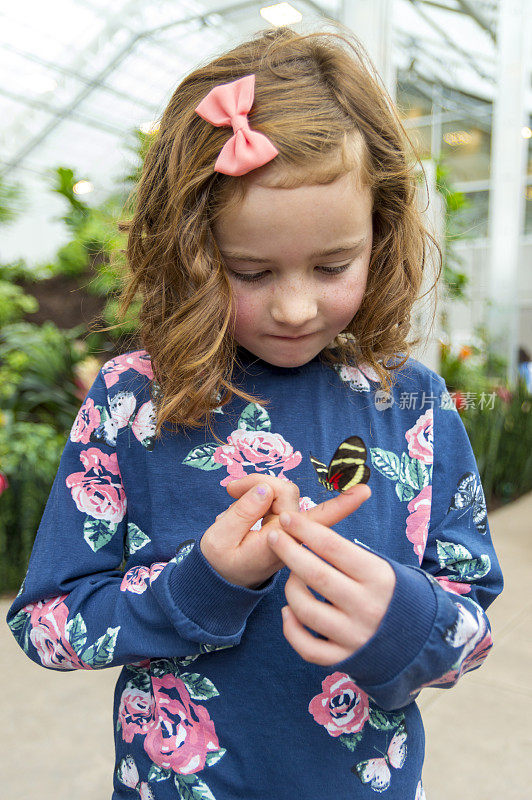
284, 289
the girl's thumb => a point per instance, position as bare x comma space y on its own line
245, 512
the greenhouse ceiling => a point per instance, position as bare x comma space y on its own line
77, 76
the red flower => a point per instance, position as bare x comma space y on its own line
504, 393
4, 483
464, 353
459, 400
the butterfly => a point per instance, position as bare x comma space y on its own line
376, 771
468, 493
347, 467
128, 774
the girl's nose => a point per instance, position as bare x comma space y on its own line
293, 308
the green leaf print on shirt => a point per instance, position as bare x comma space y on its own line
410, 474
77, 633
97, 532
190, 787
384, 720
98, 654
254, 418
135, 539
458, 559
101, 652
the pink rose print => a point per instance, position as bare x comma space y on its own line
305, 503
137, 578
139, 360
454, 586
48, 620
135, 712
87, 420
342, 707
474, 637
144, 664
98, 491
417, 522
182, 732
475, 658
420, 438
263, 451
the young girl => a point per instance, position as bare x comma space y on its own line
278, 250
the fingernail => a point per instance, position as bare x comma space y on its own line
272, 537
284, 518
261, 490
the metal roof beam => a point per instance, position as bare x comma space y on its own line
469, 8
72, 73
465, 55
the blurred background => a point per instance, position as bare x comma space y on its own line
82, 85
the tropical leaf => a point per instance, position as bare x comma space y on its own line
254, 418
101, 652
97, 532
201, 457
386, 461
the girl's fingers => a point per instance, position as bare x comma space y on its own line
337, 508
321, 617
309, 648
321, 576
345, 562
285, 493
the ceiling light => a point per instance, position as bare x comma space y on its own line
281, 14
149, 127
43, 83
526, 133
456, 138
82, 187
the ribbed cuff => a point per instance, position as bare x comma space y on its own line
403, 631
207, 599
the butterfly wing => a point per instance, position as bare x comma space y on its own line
464, 493
397, 748
105, 433
143, 425
374, 771
348, 467
320, 468
480, 514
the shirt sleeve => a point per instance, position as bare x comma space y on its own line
435, 628
76, 609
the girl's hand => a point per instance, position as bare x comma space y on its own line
243, 556
359, 585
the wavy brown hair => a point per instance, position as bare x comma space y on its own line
319, 99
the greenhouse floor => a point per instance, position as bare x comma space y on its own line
57, 732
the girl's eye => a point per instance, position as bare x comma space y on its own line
257, 276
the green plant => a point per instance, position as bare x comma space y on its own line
29, 454
12, 201
37, 373
454, 279
501, 438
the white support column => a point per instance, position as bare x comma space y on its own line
372, 22
426, 310
506, 200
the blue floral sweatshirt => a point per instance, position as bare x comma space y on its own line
212, 701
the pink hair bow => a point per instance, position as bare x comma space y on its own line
228, 104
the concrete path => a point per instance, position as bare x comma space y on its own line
57, 741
